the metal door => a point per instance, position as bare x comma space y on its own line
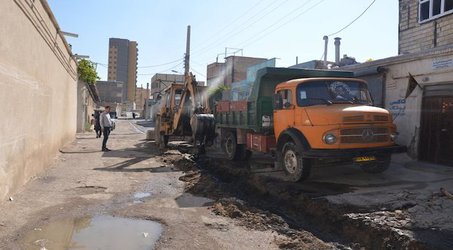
436, 142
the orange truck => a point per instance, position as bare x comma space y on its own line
307, 118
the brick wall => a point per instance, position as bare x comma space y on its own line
415, 36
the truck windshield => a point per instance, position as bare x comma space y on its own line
332, 92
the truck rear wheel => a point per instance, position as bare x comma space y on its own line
230, 146
295, 167
380, 165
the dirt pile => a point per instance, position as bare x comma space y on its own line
258, 219
178, 160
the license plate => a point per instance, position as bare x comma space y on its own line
365, 158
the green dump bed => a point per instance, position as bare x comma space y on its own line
248, 114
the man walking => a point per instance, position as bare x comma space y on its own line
106, 125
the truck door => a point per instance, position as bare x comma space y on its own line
284, 113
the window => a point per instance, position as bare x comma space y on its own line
286, 98
432, 9
331, 92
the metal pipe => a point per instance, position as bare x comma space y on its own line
326, 41
337, 50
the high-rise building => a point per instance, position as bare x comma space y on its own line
123, 56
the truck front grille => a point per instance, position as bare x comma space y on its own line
364, 135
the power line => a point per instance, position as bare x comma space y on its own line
197, 72
159, 65
219, 32
253, 39
173, 67
345, 27
233, 33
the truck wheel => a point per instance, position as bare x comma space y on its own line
165, 139
157, 138
296, 168
379, 166
230, 146
245, 153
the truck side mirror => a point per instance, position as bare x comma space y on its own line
277, 101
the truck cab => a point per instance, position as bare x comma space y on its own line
330, 118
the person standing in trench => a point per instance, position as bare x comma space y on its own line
106, 126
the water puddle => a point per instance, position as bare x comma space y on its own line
188, 200
140, 196
99, 232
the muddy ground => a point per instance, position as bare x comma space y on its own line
196, 209
403, 208
207, 202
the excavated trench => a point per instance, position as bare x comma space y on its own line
292, 208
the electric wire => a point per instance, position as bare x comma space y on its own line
229, 24
234, 33
162, 64
345, 27
254, 39
162, 71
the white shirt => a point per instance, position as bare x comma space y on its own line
105, 120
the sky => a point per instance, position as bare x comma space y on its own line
282, 29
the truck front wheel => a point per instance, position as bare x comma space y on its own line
380, 165
296, 168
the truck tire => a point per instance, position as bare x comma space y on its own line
230, 146
245, 153
157, 131
160, 139
165, 139
379, 166
295, 167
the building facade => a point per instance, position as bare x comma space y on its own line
122, 64
141, 95
417, 86
111, 93
38, 92
159, 82
234, 69
424, 24
87, 101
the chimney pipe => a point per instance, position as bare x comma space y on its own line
326, 41
337, 50
297, 60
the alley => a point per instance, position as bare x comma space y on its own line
131, 181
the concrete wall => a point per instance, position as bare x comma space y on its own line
429, 68
38, 95
236, 67
415, 36
160, 82
407, 112
111, 91
85, 106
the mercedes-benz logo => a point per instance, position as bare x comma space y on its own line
367, 135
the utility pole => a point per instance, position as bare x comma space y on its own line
187, 56
326, 41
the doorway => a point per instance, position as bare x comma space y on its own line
436, 135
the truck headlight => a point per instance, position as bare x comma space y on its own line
330, 139
393, 136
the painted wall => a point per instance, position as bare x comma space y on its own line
38, 95
428, 70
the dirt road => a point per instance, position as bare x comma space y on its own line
92, 197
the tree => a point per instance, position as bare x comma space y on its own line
87, 72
